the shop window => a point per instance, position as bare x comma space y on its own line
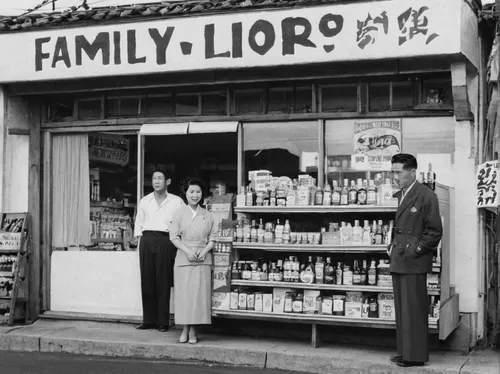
214, 103
158, 105
379, 96
247, 101
123, 106
89, 108
60, 108
436, 94
284, 149
402, 95
339, 150
339, 97
303, 99
280, 100
187, 104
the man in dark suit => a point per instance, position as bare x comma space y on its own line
417, 232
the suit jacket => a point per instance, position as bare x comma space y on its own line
418, 224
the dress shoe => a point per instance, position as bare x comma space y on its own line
397, 358
145, 326
162, 328
408, 364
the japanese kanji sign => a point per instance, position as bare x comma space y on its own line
109, 149
487, 185
375, 142
328, 33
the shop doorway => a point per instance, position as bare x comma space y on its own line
211, 157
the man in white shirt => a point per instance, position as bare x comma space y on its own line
155, 213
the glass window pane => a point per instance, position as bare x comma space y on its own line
248, 101
214, 103
303, 99
339, 98
284, 149
122, 106
280, 100
402, 95
339, 147
437, 92
379, 95
60, 108
158, 105
186, 105
89, 108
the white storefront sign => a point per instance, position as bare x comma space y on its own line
329, 33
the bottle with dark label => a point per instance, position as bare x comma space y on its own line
298, 304
372, 275
235, 273
327, 195
373, 308
336, 197
371, 193
318, 197
362, 194
356, 276
353, 194
329, 271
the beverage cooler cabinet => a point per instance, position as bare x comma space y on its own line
321, 264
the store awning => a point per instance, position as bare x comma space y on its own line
212, 127
164, 128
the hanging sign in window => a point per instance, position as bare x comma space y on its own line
487, 185
109, 149
375, 142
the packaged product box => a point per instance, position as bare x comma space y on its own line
353, 309
279, 299
259, 302
267, 302
385, 195
220, 300
221, 279
310, 297
222, 259
327, 306
433, 281
386, 309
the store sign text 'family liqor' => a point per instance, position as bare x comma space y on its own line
361, 31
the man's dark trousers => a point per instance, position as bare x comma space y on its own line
156, 257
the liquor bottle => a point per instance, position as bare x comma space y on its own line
298, 304
372, 275
250, 196
357, 234
286, 270
329, 271
291, 197
318, 197
344, 194
367, 238
278, 233
269, 234
347, 276
241, 198
286, 232
353, 194
364, 273
288, 307
356, 276
327, 195
378, 235
339, 274
296, 269
319, 269
253, 232
239, 231
246, 231
260, 232
431, 178
371, 194
235, 274
307, 274
362, 196
272, 197
336, 196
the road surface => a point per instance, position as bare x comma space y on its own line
49, 363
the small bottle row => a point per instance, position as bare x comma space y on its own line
376, 233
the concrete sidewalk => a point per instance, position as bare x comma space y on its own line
122, 340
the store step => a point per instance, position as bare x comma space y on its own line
312, 248
315, 319
319, 286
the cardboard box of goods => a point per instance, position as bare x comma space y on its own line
279, 299
222, 279
353, 309
385, 195
220, 300
222, 259
310, 297
386, 309
267, 302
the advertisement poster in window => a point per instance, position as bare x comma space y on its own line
112, 149
488, 185
375, 142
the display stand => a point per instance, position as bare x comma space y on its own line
14, 264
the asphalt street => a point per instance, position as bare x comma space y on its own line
47, 363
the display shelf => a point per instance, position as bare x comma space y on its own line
317, 209
318, 286
7, 274
312, 318
312, 248
105, 204
8, 251
107, 240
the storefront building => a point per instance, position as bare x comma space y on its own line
101, 98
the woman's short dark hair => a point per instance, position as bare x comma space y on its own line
194, 182
409, 161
